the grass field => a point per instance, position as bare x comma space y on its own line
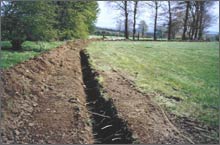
187, 72
30, 49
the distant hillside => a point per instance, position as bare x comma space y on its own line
212, 33
114, 32
105, 29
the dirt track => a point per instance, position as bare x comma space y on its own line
44, 101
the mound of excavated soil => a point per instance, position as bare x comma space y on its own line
44, 101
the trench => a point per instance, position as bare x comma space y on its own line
107, 127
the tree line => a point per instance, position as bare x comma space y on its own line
46, 20
191, 18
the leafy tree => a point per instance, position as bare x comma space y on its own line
46, 20
27, 20
75, 19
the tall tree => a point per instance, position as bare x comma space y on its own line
201, 5
33, 21
190, 18
126, 19
155, 20
172, 17
124, 7
134, 19
142, 27
206, 16
186, 20
75, 19
193, 22
155, 5
199, 18
46, 20
196, 26
170, 20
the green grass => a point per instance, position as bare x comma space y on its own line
30, 49
181, 69
40, 46
5, 45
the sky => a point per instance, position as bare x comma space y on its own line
107, 17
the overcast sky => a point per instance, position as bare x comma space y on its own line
108, 16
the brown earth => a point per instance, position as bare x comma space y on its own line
44, 101
146, 119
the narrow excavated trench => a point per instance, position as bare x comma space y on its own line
107, 126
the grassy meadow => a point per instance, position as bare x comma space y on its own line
29, 49
181, 76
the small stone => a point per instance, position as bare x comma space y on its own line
31, 124
35, 104
50, 88
21, 123
17, 132
27, 108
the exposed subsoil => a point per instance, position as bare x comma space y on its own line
55, 98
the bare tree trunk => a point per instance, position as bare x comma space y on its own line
192, 24
126, 20
201, 20
197, 20
170, 21
186, 20
155, 20
193, 28
135, 13
142, 32
190, 31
